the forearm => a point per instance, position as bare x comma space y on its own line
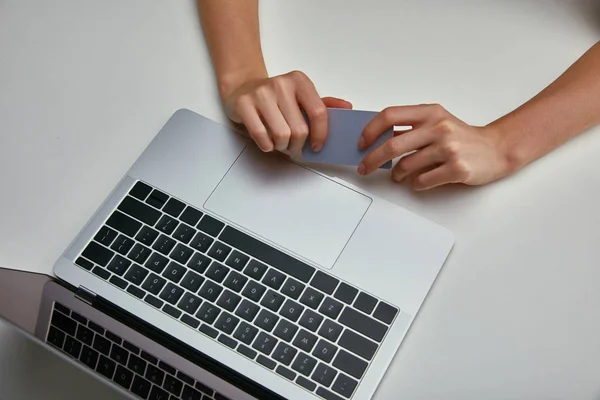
231, 29
567, 107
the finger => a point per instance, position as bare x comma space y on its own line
416, 161
334, 102
317, 114
395, 147
414, 116
298, 126
258, 132
277, 125
439, 176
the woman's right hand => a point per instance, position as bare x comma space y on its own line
271, 111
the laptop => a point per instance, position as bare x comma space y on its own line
215, 266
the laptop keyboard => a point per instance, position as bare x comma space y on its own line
125, 364
302, 323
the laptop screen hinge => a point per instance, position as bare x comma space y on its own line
86, 295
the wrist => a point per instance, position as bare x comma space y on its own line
231, 81
508, 144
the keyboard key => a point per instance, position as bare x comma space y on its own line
171, 293
102, 273
350, 364
124, 223
324, 374
385, 313
247, 351
172, 384
72, 347
122, 244
327, 395
311, 320
106, 367
219, 251
139, 253
331, 308
262, 360
247, 310
97, 253
266, 320
227, 341
304, 364
217, 272
185, 378
344, 385
166, 367
105, 236
158, 394
210, 225
226, 322
284, 354
181, 253
139, 210
136, 274
237, 260
192, 281
172, 311
167, 224
285, 330
245, 333
113, 338
365, 303
292, 288
274, 279
267, 254
208, 313
191, 216
345, 293
286, 373
305, 340
324, 351
149, 357
56, 337
62, 308
123, 377
141, 387
254, 291
264, 343
291, 310
157, 198
330, 330
154, 301
229, 300
174, 207
140, 190
191, 321
363, 324
210, 291
190, 394
85, 335
174, 272
147, 236
136, 364
255, 270
184, 233
64, 323
199, 263
102, 345
131, 347
137, 292
96, 328
157, 262
207, 330
155, 375
85, 264
89, 357
305, 383
201, 242
272, 300
235, 281
118, 265
189, 303
154, 284
357, 344
324, 282
164, 244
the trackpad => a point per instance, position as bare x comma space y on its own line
289, 206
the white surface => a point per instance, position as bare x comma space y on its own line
85, 85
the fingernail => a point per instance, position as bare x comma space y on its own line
397, 177
316, 147
361, 143
362, 169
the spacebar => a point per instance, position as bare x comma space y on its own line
267, 254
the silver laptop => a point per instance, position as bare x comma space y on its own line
282, 281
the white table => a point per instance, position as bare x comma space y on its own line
85, 85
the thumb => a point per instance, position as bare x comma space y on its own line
334, 102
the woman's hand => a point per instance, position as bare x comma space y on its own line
444, 149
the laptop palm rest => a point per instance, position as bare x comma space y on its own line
288, 205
